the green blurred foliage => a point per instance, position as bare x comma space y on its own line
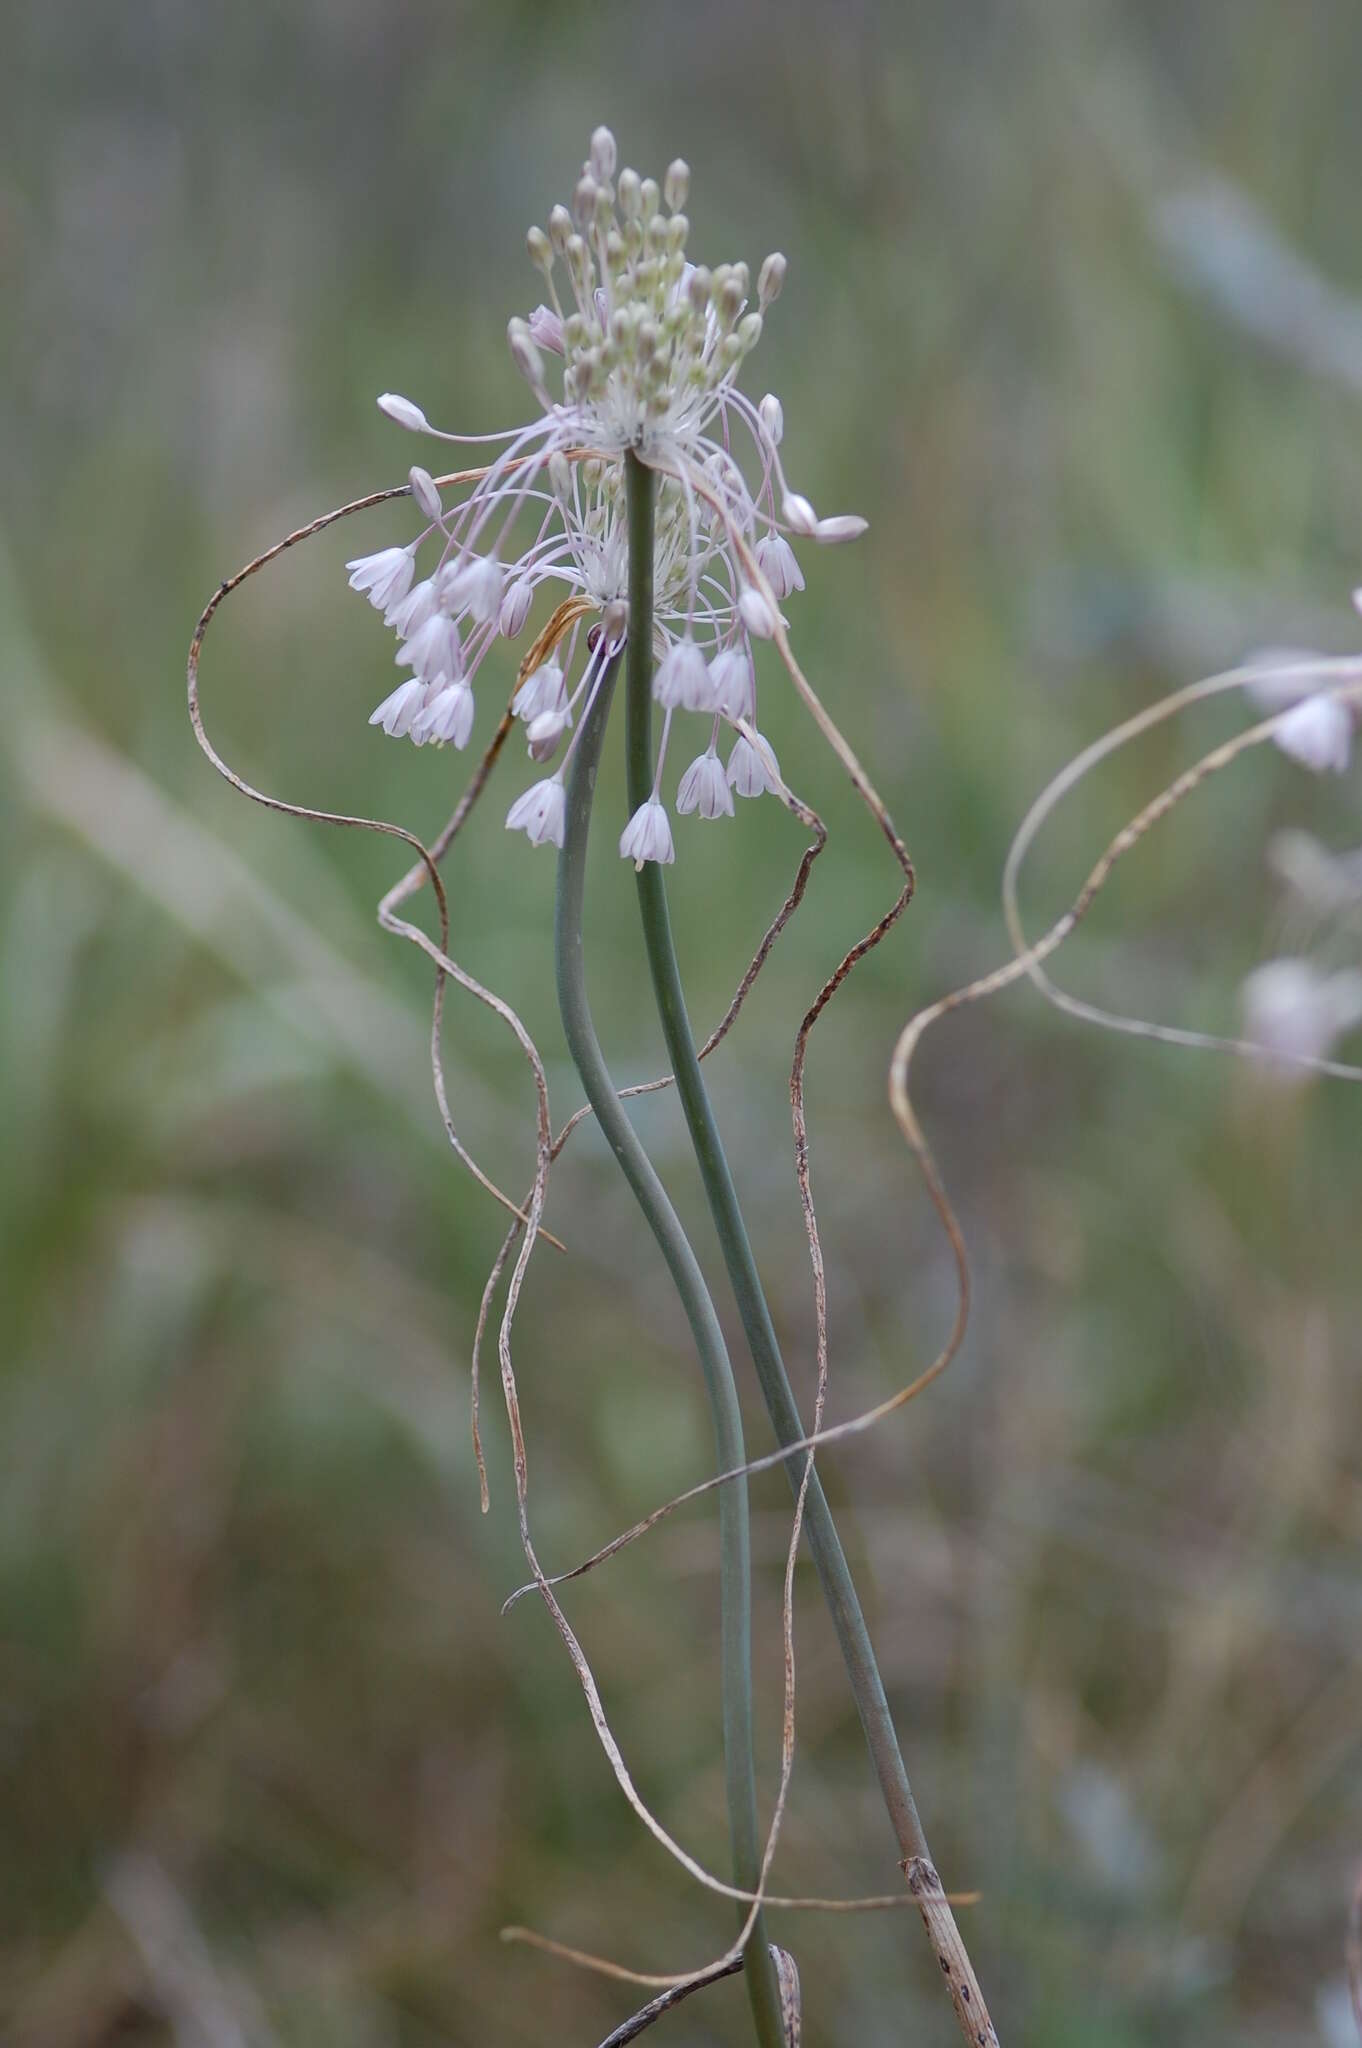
272, 1767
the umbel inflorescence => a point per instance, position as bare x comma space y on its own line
651, 345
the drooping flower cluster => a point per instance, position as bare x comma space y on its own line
1295, 1009
651, 345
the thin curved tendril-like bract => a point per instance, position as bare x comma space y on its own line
1294, 673
1027, 960
426, 869
445, 965
425, 857
986, 985
869, 796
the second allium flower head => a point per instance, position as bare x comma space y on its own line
651, 345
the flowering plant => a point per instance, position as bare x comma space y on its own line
650, 503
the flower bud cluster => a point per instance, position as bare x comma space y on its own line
647, 337
650, 345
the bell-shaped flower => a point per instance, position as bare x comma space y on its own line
474, 586
747, 771
448, 716
776, 560
384, 578
704, 788
648, 835
543, 690
545, 732
540, 813
433, 651
407, 614
734, 684
683, 682
397, 712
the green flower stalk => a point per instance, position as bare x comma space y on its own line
638, 1170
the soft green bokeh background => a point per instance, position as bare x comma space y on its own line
272, 1768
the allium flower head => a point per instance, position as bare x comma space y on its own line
632, 348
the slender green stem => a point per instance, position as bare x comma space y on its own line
734, 1543
829, 1558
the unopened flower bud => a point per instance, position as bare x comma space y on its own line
540, 248
630, 191
525, 355
584, 200
560, 227
700, 286
676, 185
749, 330
770, 278
603, 155
757, 614
545, 731
515, 608
648, 198
842, 526
404, 412
424, 491
546, 329
773, 418
797, 512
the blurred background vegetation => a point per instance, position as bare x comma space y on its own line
1075, 317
